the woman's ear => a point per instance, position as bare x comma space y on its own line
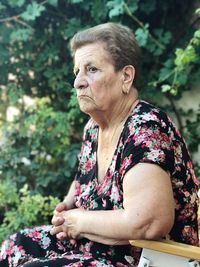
128, 75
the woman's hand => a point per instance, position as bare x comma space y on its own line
66, 223
57, 217
58, 220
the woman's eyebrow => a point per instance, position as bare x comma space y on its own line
89, 63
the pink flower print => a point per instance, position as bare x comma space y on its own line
85, 249
88, 165
186, 193
97, 263
149, 117
165, 141
187, 212
35, 235
75, 264
87, 149
127, 161
93, 264
190, 167
154, 155
178, 153
46, 242
13, 237
107, 193
94, 135
115, 196
189, 232
131, 129
6, 249
112, 166
178, 168
189, 164
119, 264
78, 188
163, 124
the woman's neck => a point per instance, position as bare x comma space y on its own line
117, 115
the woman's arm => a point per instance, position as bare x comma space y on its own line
106, 241
69, 198
148, 209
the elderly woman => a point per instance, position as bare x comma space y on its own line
135, 178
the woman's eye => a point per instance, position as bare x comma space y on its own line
92, 69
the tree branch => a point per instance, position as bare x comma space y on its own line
174, 109
127, 10
17, 19
10, 18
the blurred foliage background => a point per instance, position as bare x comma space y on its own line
40, 123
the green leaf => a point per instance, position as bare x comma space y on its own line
18, 3
182, 77
184, 57
165, 88
169, 63
4, 34
98, 11
4, 55
116, 8
2, 7
53, 2
197, 34
75, 1
163, 36
33, 11
165, 73
197, 11
72, 26
133, 6
21, 35
196, 38
13, 94
141, 35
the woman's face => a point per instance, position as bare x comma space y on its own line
98, 85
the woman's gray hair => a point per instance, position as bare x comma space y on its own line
119, 41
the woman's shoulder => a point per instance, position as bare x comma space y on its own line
145, 108
147, 113
146, 117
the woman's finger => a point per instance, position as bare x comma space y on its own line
56, 221
62, 236
60, 207
55, 230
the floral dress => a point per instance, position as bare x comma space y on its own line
148, 136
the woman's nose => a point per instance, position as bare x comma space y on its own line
80, 82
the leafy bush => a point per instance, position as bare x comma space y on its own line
21, 209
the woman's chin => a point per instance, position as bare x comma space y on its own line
86, 108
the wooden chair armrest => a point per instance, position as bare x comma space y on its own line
169, 247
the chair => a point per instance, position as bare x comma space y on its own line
166, 253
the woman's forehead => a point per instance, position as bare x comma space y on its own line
91, 53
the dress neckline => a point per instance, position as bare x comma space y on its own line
106, 177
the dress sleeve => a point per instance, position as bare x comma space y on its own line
148, 142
